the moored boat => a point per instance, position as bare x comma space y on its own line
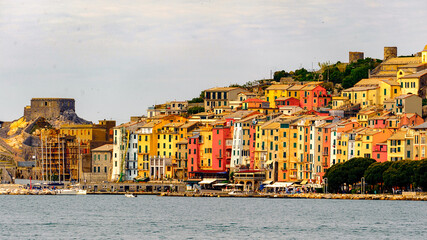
130, 195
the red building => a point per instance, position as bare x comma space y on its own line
254, 103
193, 153
314, 97
287, 101
380, 152
410, 120
221, 147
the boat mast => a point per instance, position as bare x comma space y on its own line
63, 160
41, 138
59, 160
50, 162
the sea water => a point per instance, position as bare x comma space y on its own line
154, 217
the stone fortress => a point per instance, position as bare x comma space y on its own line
48, 108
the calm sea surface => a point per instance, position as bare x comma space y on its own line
152, 217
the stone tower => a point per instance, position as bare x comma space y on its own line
354, 56
390, 52
48, 108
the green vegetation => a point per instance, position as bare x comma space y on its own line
405, 174
280, 74
195, 110
304, 75
198, 99
353, 73
349, 172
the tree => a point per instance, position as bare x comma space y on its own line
198, 99
349, 172
195, 110
421, 174
374, 173
280, 74
400, 174
328, 86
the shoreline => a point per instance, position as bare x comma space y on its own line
410, 196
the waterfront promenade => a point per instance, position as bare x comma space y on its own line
408, 196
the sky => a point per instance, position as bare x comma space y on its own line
117, 58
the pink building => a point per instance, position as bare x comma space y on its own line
380, 152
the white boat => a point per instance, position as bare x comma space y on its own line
66, 191
130, 195
81, 192
71, 191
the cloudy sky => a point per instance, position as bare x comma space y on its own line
116, 58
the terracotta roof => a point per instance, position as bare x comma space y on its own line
278, 87
391, 82
295, 88
223, 89
254, 100
398, 135
284, 98
405, 96
104, 148
402, 60
356, 89
416, 75
421, 126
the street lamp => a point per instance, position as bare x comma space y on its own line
325, 181
362, 187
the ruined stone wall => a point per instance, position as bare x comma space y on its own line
390, 52
354, 56
48, 108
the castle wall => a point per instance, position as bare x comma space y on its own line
354, 56
390, 52
48, 108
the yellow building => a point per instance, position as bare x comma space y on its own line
274, 92
411, 83
396, 146
364, 116
270, 133
294, 91
84, 132
206, 147
372, 91
338, 102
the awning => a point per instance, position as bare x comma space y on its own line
280, 184
207, 181
267, 182
269, 162
303, 182
219, 184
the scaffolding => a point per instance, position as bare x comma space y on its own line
60, 158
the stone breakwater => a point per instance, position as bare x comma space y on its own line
407, 197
